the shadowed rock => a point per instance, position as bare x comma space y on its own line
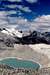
34, 37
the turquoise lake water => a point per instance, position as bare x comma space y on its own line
15, 63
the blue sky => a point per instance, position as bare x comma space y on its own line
33, 8
26, 10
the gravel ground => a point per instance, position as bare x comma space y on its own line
26, 52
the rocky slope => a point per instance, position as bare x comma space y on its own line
7, 70
13, 36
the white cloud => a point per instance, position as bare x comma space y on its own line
41, 23
15, 0
10, 6
2, 14
26, 9
11, 12
3, 18
31, 1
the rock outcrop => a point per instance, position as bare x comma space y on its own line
36, 37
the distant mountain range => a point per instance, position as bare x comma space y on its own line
13, 36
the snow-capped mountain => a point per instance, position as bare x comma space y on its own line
12, 32
14, 36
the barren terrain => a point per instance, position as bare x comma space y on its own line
39, 53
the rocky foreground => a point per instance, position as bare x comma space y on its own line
35, 53
7, 70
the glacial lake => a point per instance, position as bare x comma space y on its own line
15, 63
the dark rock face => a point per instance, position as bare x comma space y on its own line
46, 37
9, 43
35, 38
